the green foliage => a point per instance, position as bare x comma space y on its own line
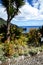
16, 55
3, 31
21, 41
33, 37
3, 58
41, 30
2, 21
16, 47
12, 9
33, 52
18, 44
39, 49
15, 32
19, 3
21, 45
8, 49
18, 41
26, 52
1, 49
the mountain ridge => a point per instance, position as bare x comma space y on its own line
2, 21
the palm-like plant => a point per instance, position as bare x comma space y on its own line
12, 8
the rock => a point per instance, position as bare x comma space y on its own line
38, 52
29, 55
22, 57
0, 62
26, 60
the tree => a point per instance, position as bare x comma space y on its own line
12, 8
41, 30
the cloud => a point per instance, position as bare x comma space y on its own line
3, 13
29, 23
27, 13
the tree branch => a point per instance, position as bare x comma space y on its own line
15, 13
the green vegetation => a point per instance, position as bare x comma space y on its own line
13, 42
12, 9
35, 50
2, 21
34, 37
20, 44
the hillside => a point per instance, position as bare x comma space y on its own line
2, 21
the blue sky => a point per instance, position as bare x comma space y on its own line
31, 14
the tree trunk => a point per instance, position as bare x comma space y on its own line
8, 31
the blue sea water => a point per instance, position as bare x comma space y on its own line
28, 28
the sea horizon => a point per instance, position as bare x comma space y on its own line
28, 28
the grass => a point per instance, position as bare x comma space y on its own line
16, 55
32, 51
35, 50
1, 51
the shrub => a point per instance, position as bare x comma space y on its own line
21, 51
32, 52
26, 52
8, 49
33, 37
3, 58
15, 55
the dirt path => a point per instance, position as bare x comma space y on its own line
34, 60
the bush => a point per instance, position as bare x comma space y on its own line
32, 52
21, 51
15, 55
8, 49
26, 52
34, 37
3, 58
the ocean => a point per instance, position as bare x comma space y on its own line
27, 28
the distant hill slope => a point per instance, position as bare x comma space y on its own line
2, 21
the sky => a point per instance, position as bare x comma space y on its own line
31, 14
